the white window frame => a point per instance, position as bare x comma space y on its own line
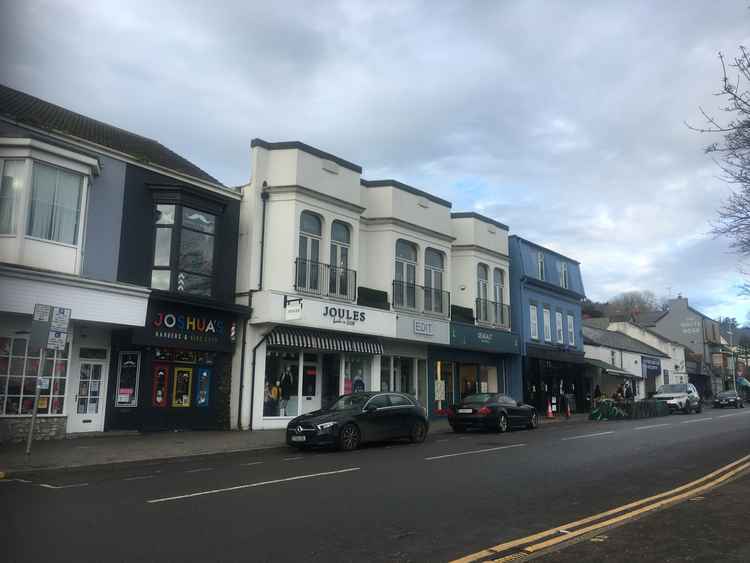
534, 321
16, 200
540, 264
564, 275
571, 330
137, 378
547, 317
559, 327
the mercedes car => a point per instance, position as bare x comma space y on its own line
491, 411
728, 399
358, 418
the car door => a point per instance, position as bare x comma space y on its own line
402, 415
515, 413
376, 419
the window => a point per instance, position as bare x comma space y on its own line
357, 374
400, 401
547, 325
379, 402
339, 273
534, 322
498, 285
564, 275
571, 331
434, 265
55, 204
540, 264
559, 327
19, 368
310, 232
281, 391
10, 188
613, 356
483, 275
183, 249
128, 370
404, 286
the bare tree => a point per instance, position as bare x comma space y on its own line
732, 154
632, 304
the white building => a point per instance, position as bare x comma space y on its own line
352, 285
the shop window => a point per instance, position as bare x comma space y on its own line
357, 374
203, 387
385, 373
281, 394
55, 204
422, 381
309, 379
19, 371
11, 183
443, 386
160, 387
181, 387
184, 240
128, 369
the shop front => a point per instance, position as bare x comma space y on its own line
478, 360
555, 377
175, 372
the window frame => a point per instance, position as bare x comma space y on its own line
16, 200
407, 295
534, 321
547, 322
571, 329
433, 294
559, 333
338, 282
81, 204
540, 264
564, 275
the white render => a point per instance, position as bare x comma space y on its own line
628, 361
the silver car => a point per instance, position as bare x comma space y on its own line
680, 397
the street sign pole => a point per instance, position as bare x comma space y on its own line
30, 437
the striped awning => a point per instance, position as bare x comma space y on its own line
319, 340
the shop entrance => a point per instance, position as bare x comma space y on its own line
88, 413
475, 378
330, 383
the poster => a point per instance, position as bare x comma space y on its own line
439, 390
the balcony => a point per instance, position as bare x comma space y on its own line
493, 313
417, 299
324, 280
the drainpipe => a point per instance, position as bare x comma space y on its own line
252, 376
264, 199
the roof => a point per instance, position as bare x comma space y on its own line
649, 318
609, 367
540, 247
648, 330
477, 216
29, 110
406, 188
300, 146
597, 322
618, 341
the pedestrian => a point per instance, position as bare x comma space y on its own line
597, 393
628, 392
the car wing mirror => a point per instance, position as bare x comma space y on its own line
370, 408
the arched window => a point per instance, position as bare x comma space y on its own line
483, 274
434, 265
405, 284
308, 262
339, 275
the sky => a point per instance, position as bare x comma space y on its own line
564, 120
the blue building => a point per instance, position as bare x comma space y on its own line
546, 290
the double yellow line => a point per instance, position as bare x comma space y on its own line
519, 548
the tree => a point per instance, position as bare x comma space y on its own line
733, 152
631, 304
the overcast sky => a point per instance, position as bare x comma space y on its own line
564, 120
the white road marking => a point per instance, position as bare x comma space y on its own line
443, 440
733, 414
251, 485
139, 477
46, 486
588, 435
696, 420
199, 470
251, 463
15, 479
653, 426
292, 458
474, 452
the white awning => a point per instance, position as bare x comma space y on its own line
321, 340
89, 300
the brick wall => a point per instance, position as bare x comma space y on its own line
47, 428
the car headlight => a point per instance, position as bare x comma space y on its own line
325, 426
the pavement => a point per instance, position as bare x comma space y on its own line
449, 497
110, 448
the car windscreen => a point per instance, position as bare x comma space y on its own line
673, 388
355, 401
727, 395
479, 398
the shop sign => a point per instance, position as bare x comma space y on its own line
344, 315
423, 328
650, 366
170, 324
485, 339
434, 331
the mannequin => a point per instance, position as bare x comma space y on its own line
285, 384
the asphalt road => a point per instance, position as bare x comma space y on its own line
446, 498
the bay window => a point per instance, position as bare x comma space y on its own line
55, 204
10, 189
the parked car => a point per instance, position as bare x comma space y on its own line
728, 399
358, 418
491, 411
680, 397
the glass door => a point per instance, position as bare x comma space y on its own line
310, 396
88, 407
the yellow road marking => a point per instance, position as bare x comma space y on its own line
494, 550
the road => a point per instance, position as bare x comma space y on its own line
437, 501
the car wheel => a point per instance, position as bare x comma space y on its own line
458, 429
737, 405
349, 438
418, 432
502, 423
534, 421
686, 408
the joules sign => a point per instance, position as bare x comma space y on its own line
344, 315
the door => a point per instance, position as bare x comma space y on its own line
376, 419
310, 397
87, 411
330, 383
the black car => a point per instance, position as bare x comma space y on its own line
491, 411
358, 418
728, 399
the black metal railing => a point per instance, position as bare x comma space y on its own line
493, 313
316, 278
412, 297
